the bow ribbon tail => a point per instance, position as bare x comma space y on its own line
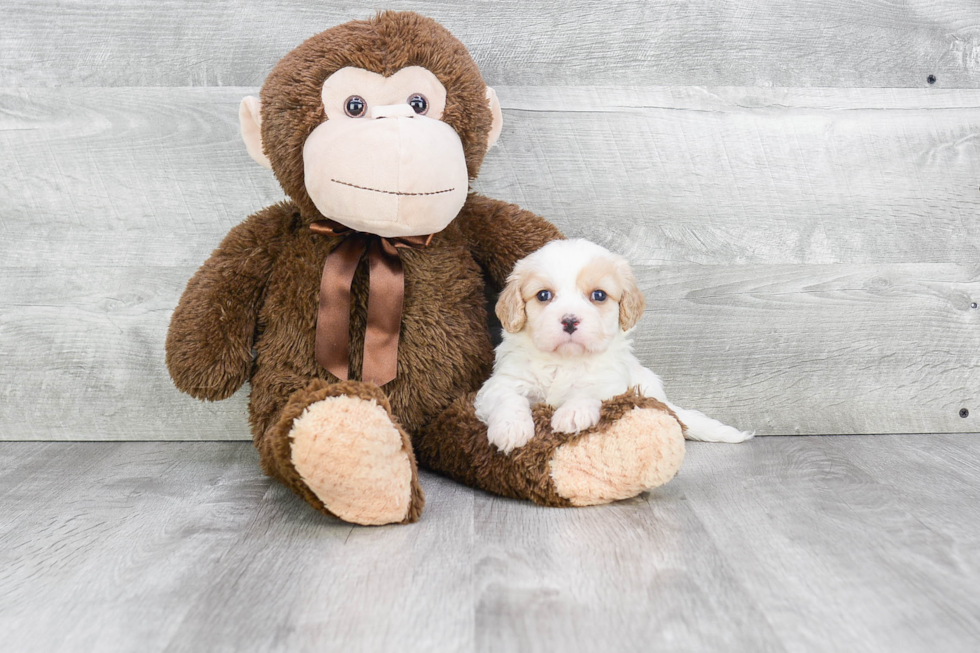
384, 313
333, 317
386, 293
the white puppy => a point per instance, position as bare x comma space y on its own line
566, 312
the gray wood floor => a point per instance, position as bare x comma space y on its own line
782, 544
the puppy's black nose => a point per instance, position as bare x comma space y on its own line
569, 323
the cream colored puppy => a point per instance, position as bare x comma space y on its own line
566, 312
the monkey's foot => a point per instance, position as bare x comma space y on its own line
637, 445
641, 450
350, 454
339, 448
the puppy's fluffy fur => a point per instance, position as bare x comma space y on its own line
566, 312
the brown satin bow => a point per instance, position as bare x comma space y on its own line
386, 288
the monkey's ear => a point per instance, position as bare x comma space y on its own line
498, 117
250, 120
510, 306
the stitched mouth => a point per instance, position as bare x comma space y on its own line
390, 192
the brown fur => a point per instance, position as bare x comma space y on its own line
292, 106
471, 459
259, 289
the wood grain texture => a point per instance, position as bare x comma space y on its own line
639, 575
665, 175
817, 349
188, 547
872, 43
117, 177
847, 541
83, 357
778, 544
744, 175
809, 255
776, 349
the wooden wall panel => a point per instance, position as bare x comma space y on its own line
82, 358
809, 256
780, 349
138, 176
811, 349
714, 176
746, 175
842, 43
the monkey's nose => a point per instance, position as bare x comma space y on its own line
569, 323
392, 111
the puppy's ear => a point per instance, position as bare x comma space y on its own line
510, 306
631, 304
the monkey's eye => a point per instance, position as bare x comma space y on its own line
355, 106
544, 295
599, 296
418, 103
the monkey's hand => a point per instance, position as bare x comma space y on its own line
209, 344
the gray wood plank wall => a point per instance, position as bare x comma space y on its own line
800, 203
837, 43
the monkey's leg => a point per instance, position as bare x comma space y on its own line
339, 448
637, 445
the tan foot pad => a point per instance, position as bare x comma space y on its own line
642, 450
350, 455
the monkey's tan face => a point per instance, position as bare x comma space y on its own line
384, 162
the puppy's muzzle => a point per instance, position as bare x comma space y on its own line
569, 323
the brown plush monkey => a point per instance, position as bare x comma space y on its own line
363, 294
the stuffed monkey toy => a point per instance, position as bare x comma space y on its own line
356, 308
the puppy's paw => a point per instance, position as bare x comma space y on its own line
576, 416
509, 434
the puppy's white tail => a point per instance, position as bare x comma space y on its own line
703, 428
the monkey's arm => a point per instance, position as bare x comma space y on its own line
500, 234
209, 344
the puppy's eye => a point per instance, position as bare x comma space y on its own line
355, 106
545, 295
599, 295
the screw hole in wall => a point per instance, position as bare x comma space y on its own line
973, 305
964, 412
931, 79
